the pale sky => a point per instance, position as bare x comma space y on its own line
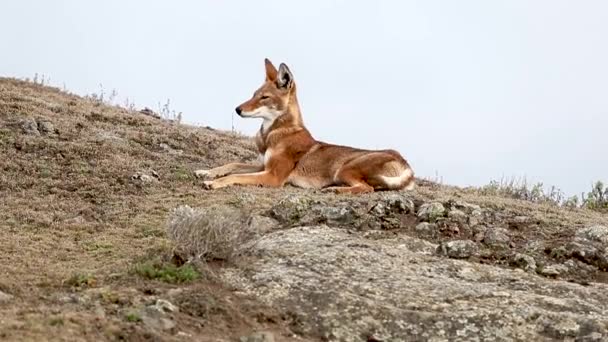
472, 90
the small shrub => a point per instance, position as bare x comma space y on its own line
182, 174
82, 280
597, 198
56, 321
169, 114
520, 189
133, 317
166, 272
216, 233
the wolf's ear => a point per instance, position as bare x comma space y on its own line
285, 78
271, 71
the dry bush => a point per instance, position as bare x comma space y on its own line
207, 234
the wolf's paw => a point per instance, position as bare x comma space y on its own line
209, 174
331, 190
208, 185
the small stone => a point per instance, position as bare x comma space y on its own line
467, 207
263, 336
144, 178
335, 215
5, 297
163, 305
170, 149
99, 311
175, 292
261, 224
426, 229
290, 208
431, 212
393, 203
457, 249
46, 127
458, 216
476, 217
525, 262
30, 127
497, 237
154, 319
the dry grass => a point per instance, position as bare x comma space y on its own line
212, 234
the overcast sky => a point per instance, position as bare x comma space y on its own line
472, 90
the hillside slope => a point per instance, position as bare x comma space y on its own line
87, 188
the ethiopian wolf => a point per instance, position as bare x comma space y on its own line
289, 153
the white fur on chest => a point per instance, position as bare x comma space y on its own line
265, 158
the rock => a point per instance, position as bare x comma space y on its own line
29, 127
594, 233
291, 208
426, 229
338, 286
579, 266
457, 249
263, 336
46, 127
393, 203
566, 328
102, 136
554, 270
74, 298
145, 178
156, 319
431, 212
244, 199
175, 292
476, 217
467, 207
580, 250
163, 305
496, 237
458, 216
99, 311
5, 297
525, 262
170, 149
298, 210
585, 251
261, 224
332, 215
149, 112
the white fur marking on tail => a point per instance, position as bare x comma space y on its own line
398, 181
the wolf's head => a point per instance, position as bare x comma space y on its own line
273, 98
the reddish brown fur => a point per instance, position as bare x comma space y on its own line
292, 155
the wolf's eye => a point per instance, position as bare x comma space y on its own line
264, 97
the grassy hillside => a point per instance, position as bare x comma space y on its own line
73, 207
86, 192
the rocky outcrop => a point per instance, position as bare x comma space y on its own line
341, 286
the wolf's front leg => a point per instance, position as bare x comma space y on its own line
263, 178
228, 169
